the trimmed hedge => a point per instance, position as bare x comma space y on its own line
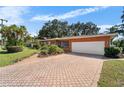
14, 49
113, 52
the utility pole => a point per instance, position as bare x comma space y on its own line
2, 21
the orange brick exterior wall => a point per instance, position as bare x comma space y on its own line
107, 40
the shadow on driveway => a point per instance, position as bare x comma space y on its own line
89, 55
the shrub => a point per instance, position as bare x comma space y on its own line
50, 50
113, 52
36, 46
54, 49
44, 47
3, 47
123, 50
13, 49
11, 42
59, 50
20, 43
44, 52
119, 43
14, 42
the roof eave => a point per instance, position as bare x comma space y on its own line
67, 38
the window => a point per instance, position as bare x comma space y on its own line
65, 44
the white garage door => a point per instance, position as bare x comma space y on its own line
89, 47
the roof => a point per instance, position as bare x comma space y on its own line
83, 36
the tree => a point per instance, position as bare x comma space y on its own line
28, 38
13, 34
119, 43
90, 29
78, 29
122, 25
53, 29
118, 28
2, 39
122, 17
113, 29
56, 28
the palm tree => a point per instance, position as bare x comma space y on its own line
22, 32
2, 20
122, 17
14, 34
90, 29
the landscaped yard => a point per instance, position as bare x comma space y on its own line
11, 58
112, 74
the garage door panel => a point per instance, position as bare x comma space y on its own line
89, 47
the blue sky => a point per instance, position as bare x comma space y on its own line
34, 17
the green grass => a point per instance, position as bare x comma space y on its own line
11, 58
112, 74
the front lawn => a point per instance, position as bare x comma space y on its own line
112, 74
11, 58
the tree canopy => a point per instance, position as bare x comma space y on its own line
13, 34
57, 28
118, 28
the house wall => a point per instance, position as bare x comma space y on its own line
66, 49
106, 39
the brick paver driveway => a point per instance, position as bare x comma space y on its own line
76, 70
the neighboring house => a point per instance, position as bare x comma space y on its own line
93, 44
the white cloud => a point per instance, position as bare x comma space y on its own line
71, 14
104, 27
13, 14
